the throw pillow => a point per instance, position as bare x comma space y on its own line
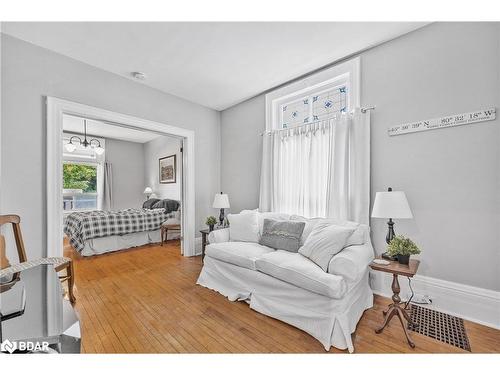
244, 227
283, 235
324, 242
149, 203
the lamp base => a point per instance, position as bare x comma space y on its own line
221, 217
388, 239
390, 231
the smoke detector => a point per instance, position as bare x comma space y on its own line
138, 75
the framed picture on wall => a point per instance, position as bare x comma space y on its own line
167, 170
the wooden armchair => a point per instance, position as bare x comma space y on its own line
59, 263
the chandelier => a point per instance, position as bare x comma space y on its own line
93, 143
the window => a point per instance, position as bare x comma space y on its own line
306, 171
79, 186
82, 174
316, 106
315, 98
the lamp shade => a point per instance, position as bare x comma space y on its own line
221, 201
391, 204
148, 190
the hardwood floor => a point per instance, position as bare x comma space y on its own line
145, 300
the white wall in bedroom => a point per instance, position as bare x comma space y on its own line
29, 73
154, 150
451, 176
127, 159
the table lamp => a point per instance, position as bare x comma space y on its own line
221, 201
391, 205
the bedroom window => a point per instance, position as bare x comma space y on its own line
82, 174
80, 186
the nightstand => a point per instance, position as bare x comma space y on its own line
408, 270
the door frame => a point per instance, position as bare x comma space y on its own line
56, 108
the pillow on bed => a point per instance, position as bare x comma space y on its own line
149, 203
168, 204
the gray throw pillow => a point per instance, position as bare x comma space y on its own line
282, 235
149, 203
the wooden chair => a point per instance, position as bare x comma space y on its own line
59, 263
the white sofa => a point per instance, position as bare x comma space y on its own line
289, 287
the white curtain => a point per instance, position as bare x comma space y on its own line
107, 187
319, 170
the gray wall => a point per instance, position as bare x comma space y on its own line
154, 150
242, 152
127, 159
451, 176
28, 74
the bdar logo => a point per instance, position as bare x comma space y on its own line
8, 346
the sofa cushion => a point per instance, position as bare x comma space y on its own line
241, 254
270, 215
244, 227
358, 237
282, 234
295, 269
324, 242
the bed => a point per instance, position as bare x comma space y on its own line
98, 232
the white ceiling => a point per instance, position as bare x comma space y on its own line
214, 64
73, 124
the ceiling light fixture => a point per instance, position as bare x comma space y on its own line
139, 76
93, 143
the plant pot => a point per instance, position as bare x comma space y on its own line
403, 259
211, 227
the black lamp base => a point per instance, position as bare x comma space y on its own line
221, 217
388, 239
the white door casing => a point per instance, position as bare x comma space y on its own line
56, 108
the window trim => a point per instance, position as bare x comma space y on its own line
347, 73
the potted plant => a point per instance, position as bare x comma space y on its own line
211, 221
402, 247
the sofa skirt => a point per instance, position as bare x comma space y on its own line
330, 321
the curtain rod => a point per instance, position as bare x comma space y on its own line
363, 110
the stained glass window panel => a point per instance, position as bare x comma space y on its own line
328, 103
294, 113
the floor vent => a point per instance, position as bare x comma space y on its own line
439, 326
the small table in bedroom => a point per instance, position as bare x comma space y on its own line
164, 231
408, 270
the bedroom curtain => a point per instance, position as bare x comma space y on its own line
319, 170
107, 179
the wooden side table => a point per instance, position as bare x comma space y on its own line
164, 231
204, 242
408, 270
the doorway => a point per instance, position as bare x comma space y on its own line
57, 110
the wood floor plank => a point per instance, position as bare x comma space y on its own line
145, 300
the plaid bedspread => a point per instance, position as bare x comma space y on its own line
81, 226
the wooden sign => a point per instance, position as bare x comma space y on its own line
444, 122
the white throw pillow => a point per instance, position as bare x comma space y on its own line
358, 237
310, 224
244, 227
324, 242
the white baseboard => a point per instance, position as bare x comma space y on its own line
468, 302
